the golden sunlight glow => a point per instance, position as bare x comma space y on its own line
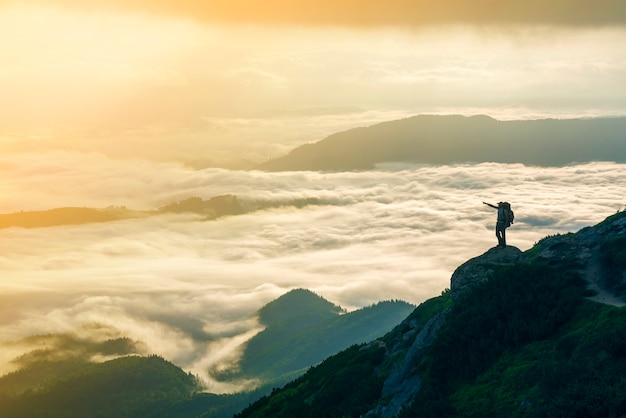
61, 68
121, 119
151, 86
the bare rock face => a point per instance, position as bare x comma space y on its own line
478, 269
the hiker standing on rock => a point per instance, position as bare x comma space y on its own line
505, 219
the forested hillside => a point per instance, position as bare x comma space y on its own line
61, 375
526, 340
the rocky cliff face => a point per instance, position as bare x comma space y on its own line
402, 383
582, 252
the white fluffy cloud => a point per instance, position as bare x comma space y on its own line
189, 288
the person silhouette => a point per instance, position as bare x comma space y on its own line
502, 222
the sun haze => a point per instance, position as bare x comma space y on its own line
123, 107
230, 83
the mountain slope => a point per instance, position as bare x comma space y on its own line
126, 387
519, 337
430, 139
302, 329
58, 373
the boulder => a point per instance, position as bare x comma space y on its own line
478, 269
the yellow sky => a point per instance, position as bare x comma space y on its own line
370, 12
222, 81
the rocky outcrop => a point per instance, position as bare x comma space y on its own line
402, 368
478, 269
402, 383
579, 251
582, 252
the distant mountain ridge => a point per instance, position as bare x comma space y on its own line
210, 209
451, 139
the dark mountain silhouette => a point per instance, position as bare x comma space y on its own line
128, 386
518, 334
430, 139
66, 216
298, 308
213, 208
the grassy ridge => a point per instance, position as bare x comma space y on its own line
526, 343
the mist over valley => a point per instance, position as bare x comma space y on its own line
187, 286
199, 202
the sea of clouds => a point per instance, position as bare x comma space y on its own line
188, 288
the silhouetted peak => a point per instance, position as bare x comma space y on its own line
297, 303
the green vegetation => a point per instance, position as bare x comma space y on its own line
578, 372
344, 385
614, 262
126, 387
58, 355
349, 383
526, 343
67, 372
302, 329
129, 386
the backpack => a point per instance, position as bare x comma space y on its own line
510, 216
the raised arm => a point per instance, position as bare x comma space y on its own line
489, 204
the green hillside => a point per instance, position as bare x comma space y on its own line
126, 387
527, 341
303, 329
58, 377
524, 338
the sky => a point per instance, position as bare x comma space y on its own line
233, 83
141, 103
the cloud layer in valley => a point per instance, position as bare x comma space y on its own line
188, 288
113, 102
